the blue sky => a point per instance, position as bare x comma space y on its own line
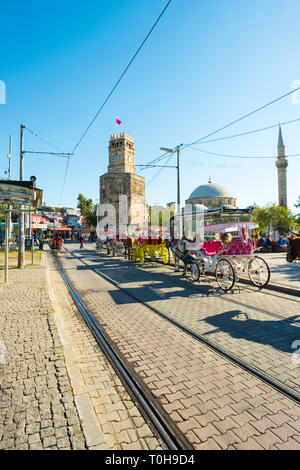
205, 64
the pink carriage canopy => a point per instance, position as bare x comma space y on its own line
230, 227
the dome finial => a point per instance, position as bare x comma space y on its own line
209, 180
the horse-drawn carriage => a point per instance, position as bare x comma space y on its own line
115, 243
226, 257
56, 243
150, 247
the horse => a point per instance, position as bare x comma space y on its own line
128, 245
293, 249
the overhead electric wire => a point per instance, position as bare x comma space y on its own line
243, 117
234, 122
239, 156
112, 90
161, 157
64, 181
121, 76
251, 132
159, 171
42, 138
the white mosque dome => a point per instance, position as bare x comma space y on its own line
210, 190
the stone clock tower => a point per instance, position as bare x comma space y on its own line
121, 179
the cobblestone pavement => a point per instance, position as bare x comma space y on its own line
57, 390
37, 409
258, 327
214, 403
283, 273
113, 421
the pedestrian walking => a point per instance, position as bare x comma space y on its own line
1, 239
41, 242
81, 239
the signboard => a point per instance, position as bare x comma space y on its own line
71, 211
28, 244
39, 226
73, 221
16, 194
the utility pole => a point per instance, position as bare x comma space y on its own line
21, 214
9, 157
177, 150
9, 177
7, 218
178, 180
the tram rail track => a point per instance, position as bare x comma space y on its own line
195, 286
275, 384
159, 420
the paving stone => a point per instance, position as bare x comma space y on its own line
28, 329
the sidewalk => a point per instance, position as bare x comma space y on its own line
37, 409
57, 390
283, 273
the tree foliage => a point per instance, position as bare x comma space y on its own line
275, 217
88, 210
298, 207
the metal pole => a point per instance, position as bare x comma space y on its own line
21, 216
9, 177
30, 236
178, 190
7, 216
9, 157
22, 153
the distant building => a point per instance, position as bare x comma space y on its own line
121, 179
211, 195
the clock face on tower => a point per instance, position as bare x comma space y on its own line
116, 157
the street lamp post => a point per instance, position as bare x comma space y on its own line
21, 260
177, 150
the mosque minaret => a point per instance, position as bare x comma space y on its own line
281, 164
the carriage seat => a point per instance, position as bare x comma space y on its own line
211, 247
238, 247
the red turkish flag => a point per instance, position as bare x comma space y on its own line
118, 121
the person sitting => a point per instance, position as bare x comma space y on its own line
260, 242
268, 244
282, 242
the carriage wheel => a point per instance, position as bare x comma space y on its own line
142, 257
225, 274
259, 272
165, 255
195, 271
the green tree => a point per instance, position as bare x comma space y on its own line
88, 210
298, 207
275, 217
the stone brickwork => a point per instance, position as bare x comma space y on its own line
37, 408
212, 202
122, 180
